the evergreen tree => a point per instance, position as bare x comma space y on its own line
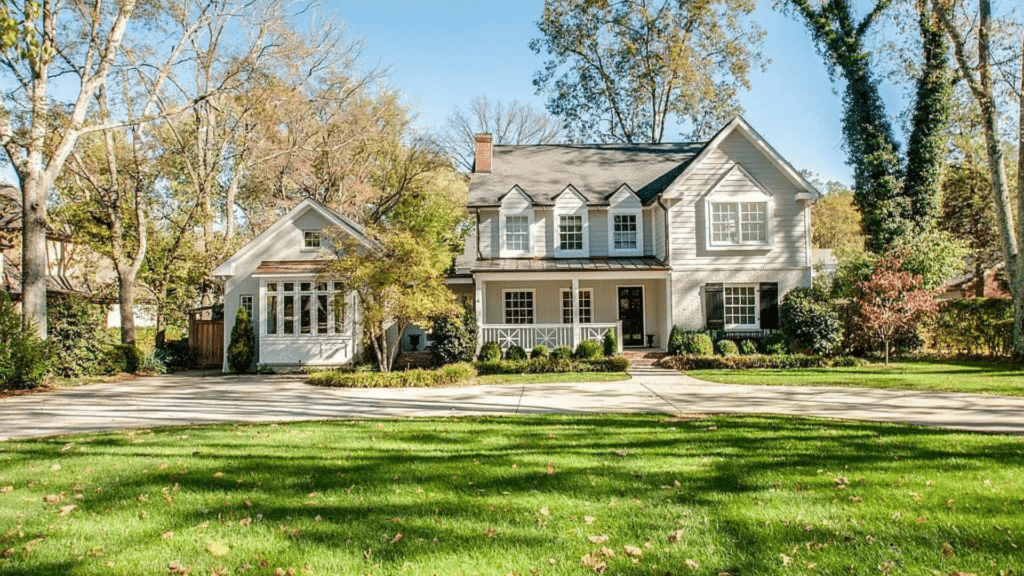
242, 350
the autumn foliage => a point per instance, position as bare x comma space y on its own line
891, 302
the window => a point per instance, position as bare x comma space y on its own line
585, 306
339, 308
245, 301
517, 233
624, 232
310, 239
289, 314
305, 308
570, 233
519, 307
740, 306
739, 223
271, 313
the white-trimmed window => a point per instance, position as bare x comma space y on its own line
245, 301
311, 239
625, 235
517, 233
570, 233
740, 306
304, 309
739, 223
518, 306
586, 306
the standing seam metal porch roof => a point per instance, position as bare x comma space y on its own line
595, 170
568, 264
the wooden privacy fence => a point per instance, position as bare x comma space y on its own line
207, 337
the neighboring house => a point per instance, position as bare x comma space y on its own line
300, 318
575, 240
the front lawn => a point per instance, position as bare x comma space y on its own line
975, 376
550, 495
552, 378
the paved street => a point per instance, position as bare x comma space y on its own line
205, 398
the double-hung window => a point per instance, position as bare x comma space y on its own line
517, 233
624, 232
586, 307
740, 306
739, 223
570, 233
518, 306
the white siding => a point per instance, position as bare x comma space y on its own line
659, 232
648, 227
543, 231
489, 230
598, 232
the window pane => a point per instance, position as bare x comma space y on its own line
339, 313
517, 233
723, 223
570, 232
305, 314
272, 314
289, 314
305, 286
753, 222
271, 286
585, 307
740, 306
624, 231
321, 313
289, 286
321, 286
567, 307
519, 307
311, 239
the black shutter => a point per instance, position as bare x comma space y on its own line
769, 305
714, 310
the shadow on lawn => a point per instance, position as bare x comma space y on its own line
444, 484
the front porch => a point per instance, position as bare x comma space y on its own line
564, 308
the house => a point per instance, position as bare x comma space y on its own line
300, 318
575, 240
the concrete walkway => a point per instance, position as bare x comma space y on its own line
196, 398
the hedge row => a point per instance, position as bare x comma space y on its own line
975, 326
552, 366
444, 376
774, 361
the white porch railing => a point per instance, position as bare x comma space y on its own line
527, 336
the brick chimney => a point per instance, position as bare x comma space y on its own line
483, 154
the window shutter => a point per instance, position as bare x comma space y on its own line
769, 305
714, 311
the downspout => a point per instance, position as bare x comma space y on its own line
479, 255
669, 300
668, 235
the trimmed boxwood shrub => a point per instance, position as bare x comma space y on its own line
772, 361
553, 366
490, 352
561, 353
748, 347
775, 343
727, 348
122, 358
675, 341
611, 344
515, 353
242, 349
444, 376
539, 351
453, 339
696, 343
813, 322
589, 350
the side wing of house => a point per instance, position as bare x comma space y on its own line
300, 316
738, 234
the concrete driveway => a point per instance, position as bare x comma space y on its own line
198, 398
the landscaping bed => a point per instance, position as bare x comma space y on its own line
552, 495
755, 361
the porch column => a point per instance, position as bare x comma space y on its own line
478, 303
669, 321
575, 312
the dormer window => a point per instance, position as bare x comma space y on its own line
572, 238
625, 227
515, 221
310, 239
517, 233
570, 233
624, 232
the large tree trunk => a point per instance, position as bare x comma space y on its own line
126, 300
34, 267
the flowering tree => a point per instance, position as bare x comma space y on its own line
891, 301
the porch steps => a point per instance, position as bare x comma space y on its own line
643, 357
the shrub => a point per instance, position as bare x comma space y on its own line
775, 343
975, 326
675, 341
242, 349
153, 363
696, 343
811, 321
561, 353
77, 336
515, 352
553, 365
727, 348
611, 343
539, 351
453, 339
444, 376
772, 361
589, 350
490, 352
748, 347
122, 358
24, 358
178, 354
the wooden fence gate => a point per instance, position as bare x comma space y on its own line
207, 337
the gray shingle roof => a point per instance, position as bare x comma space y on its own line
595, 170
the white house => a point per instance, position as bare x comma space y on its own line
574, 240
300, 317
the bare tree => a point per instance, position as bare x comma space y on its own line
512, 123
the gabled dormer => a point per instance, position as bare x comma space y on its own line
625, 223
738, 212
572, 224
515, 221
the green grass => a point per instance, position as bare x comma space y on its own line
748, 495
550, 378
979, 377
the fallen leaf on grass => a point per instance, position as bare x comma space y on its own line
490, 532
65, 510
544, 511
675, 536
598, 539
856, 499
588, 519
947, 550
786, 560
550, 469
632, 551
176, 567
691, 564
606, 552
168, 534
217, 549
33, 543
397, 538
6, 488
53, 498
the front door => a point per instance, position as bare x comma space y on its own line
631, 313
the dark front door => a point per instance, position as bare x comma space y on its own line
631, 313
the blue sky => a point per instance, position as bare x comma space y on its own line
441, 54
